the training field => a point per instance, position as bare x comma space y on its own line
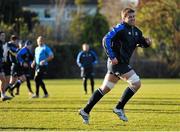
156, 107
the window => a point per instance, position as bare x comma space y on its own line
47, 13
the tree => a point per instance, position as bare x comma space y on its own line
29, 18
11, 13
112, 9
160, 19
59, 6
10, 10
88, 28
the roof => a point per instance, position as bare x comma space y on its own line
47, 2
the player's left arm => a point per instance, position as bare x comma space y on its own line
33, 63
95, 57
50, 55
143, 42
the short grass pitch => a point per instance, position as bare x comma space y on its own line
156, 107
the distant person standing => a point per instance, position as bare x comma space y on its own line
16, 72
86, 60
43, 54
25, 58
2, 75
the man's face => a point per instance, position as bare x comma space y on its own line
2, 37
85, 47
15, 42
130, 19
39, 41
29, 47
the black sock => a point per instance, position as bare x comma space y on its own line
85, 85
37, 88
97, 95
17, 90
8, 87
128, 93
29, 85
17, 84
37, 83
44, 88
92, 85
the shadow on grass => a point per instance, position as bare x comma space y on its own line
139, 101
75, 110
28, 128
145, 102
155, 111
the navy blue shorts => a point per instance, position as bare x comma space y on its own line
118, 69
87, 72
7, 69
1, 69
27, 71
16, 70
41, 70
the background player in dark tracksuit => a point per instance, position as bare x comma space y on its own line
7, 63
25, 58
119, 45
86, 60
2, 75
16, 71
43, 54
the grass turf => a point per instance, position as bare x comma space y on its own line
155, 107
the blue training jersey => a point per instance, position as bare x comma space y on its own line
25, 56
86, 59
121, 42
42, 53
10, 53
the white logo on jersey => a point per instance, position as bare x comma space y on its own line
136, 33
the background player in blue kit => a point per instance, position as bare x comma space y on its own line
86, 60
43, 54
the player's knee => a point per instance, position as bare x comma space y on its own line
107, 86
84, 79
134, 82
137, 84
23, 79
105, 90
36, 78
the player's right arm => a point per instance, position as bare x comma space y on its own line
33, 64
12, 50
107, 42
78, 60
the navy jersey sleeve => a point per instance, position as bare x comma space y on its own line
13, 50
12, 53
24, 55
5, 52
107, 40
21, 53
142, 42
